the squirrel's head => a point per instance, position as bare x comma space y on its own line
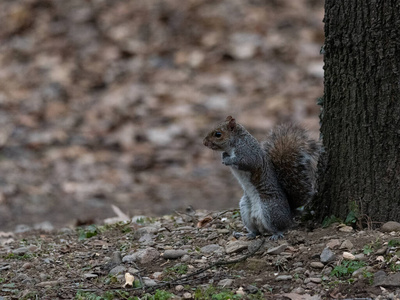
218, 138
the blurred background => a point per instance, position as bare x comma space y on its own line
107, 101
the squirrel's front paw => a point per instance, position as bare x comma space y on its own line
226, 159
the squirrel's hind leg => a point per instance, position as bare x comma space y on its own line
245, 212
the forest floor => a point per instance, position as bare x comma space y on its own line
187, 255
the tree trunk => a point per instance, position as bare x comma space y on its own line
360, 120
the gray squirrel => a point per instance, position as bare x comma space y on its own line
277, 176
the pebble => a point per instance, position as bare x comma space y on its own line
347, 244
145, 230
333, 244
47, 283
116, 258
346, 229
349, 256
390, 226
236, 246
147, 255
89, 275
299, 290
211, 248
117, 270
381, 250
316, 265
173, 254
384, 280
277, 250
179, 288
187, 295
129, 258
283, 277
133, 270
327, 256
225, 282
251, 289
149, 282
299, 270
316, 280
21, 251
360, 256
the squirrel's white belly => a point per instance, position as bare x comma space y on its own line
258, 213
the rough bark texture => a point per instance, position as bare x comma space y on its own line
361, 110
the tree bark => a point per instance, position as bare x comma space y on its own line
360, 119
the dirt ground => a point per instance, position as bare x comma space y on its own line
163, 253
107, 101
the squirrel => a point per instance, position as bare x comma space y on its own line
277, 176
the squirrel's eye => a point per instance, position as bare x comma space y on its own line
217, 134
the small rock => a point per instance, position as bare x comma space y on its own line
277, 250
129, 258
147, 239
236, 246
360, 256
297, 264
47, 283
187, 295
149, 282
225, 282
316, 265
391, 280
390, 226
89, 275
26, 266
145, 230
179, 288
133, 270
346, 229
283, 277
116, 258
299, 270
251, 289
349, 256
299, 290
360, 271
327, 256
173, 254
211, 248
346, 245
21, 251
316, 280
117, 270
381, 250
147, 255
157, 275
185, 258
333, 244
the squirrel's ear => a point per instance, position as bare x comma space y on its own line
228, 118
232, 123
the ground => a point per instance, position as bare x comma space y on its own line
91, 262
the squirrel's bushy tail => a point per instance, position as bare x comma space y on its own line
294, 156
